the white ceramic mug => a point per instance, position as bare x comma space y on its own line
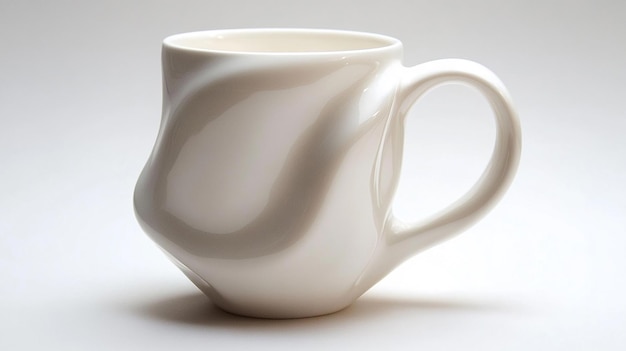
274, 170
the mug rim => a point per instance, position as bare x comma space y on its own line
344, 41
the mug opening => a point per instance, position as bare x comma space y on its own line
277, 41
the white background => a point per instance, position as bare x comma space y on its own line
80, 102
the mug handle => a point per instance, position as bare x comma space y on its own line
404, 239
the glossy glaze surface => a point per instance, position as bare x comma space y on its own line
272, 177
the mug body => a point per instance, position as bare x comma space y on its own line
265, 184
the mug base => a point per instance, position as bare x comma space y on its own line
264, 312
279, 315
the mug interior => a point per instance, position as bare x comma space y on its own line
279, 41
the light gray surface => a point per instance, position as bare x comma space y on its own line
79, 110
